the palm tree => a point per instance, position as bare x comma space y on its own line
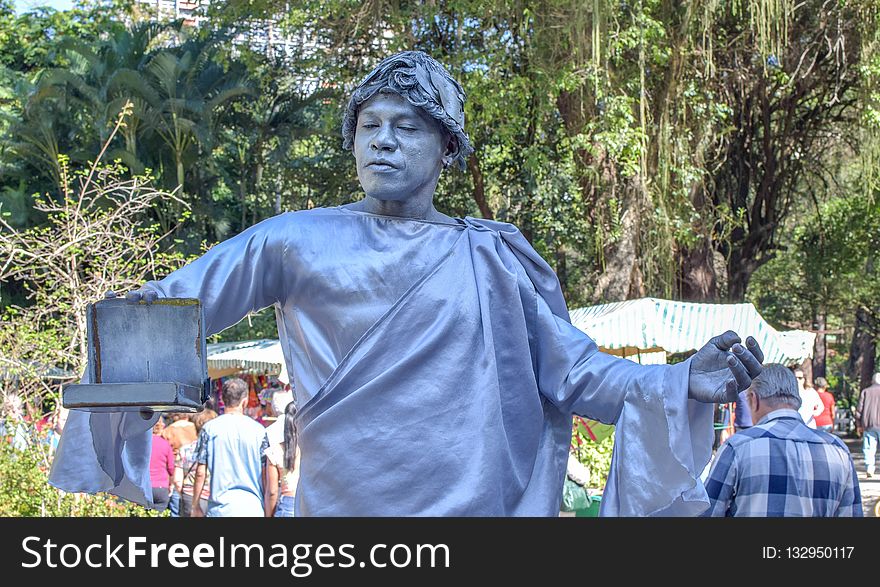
189, 89
72, 109
263, 129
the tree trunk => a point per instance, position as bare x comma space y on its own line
807, 367
819, 348
561, 269
242, 195
180, 172
277, 185
699, 282
863, 350
622, 277
258, 176
740, 268
479, 193
576, 111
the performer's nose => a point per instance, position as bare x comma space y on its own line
384, 139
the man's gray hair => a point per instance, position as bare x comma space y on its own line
777, 384
234, 391
424, 83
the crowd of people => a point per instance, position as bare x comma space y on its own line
22, 427
242, 462
228, 459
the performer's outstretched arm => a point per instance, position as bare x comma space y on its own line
237, 276
662, 413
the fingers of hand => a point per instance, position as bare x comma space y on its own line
740, 373
726, 340
731, 393
748, 359
147, 296
755, 349
109, 295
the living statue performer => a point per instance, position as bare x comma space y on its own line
434, 365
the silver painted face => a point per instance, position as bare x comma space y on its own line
398, 149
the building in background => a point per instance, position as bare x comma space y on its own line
174, 9
266, 36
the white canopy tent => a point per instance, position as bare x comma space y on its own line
262, 357
645, 330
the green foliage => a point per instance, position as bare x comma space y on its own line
97, 238
29, 41
257, 325
593, 454
25, 489
830, 263
598, 128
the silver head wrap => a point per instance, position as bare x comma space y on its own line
424, 83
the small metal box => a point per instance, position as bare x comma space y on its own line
143, 357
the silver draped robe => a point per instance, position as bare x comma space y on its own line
435, 370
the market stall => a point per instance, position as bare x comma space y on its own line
260, 363
262, 357
648, 329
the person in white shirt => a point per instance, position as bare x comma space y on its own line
275, 430
811, 403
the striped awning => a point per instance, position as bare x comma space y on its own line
654, 325
263, 357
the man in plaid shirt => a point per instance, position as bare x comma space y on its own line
779, 466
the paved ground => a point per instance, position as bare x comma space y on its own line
870, 487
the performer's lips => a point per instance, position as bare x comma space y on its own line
381, 165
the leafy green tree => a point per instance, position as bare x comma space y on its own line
96, 239
256, 143
826, 278
580, 142
28, 41
180, 87
29, 45
792, 107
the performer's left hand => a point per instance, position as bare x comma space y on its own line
723, 368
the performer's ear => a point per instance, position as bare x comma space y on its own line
452, 150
